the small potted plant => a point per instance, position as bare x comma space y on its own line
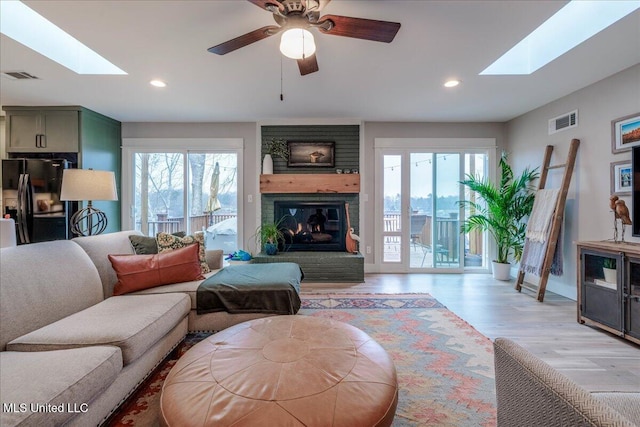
609, 270
268, 235
276, 147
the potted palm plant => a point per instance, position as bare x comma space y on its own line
501, 211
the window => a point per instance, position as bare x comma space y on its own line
172, 190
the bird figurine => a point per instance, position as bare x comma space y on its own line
623, 212
612, 202
353, 235
620, 212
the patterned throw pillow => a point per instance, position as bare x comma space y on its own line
145, 245
167, 242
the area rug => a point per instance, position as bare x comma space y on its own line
444, 366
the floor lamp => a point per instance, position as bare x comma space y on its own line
89, 185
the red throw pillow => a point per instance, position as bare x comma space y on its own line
137, 272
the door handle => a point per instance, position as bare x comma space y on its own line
41, 140
23, 233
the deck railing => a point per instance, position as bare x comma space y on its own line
446, 229
165, 224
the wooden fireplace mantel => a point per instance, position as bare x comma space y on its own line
310, 183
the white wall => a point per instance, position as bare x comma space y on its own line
587, 215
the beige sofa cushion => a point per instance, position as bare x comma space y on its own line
42, 283
188, 288
63, 377
132, 322
98, 247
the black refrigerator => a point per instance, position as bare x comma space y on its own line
31, 196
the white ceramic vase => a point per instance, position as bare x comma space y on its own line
267, 165
501, 271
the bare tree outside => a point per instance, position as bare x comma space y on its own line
161, 180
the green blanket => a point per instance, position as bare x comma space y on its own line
252, 288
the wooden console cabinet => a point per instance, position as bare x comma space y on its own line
613, 304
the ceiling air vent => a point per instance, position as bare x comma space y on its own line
18, 75
565, 121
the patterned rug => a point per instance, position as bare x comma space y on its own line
444, 366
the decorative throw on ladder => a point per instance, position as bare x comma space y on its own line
537, 235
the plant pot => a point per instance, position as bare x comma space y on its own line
610, 275
270, 248
267, 165
501, 271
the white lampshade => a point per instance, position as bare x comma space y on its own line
297, 43
88, 184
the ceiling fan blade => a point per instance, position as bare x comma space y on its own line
308, 65
245, 39
264, 4
360, 28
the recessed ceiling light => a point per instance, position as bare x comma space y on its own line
573, 24
451, 83
158, 83
33, 30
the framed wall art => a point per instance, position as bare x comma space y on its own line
311, 154
621, 181
625, 133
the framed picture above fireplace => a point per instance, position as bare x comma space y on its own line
311, 154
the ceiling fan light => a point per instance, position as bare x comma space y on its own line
297, 43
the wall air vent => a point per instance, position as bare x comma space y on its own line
18, 75
565, 121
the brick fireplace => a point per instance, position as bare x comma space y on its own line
302, 195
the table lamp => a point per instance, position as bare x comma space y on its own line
89, 185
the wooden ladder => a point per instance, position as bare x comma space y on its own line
558, 215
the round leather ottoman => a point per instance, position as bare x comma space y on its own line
282, 371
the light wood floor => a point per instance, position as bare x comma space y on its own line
595, 359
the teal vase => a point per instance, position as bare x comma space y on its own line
270, 248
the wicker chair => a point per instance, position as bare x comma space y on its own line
531, 393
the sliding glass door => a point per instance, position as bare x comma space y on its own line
185, 191
420, 211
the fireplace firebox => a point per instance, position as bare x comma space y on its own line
312, 226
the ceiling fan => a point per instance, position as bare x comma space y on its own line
304, 14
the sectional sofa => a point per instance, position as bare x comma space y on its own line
71, 352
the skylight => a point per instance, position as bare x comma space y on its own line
26, 26
570, 26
